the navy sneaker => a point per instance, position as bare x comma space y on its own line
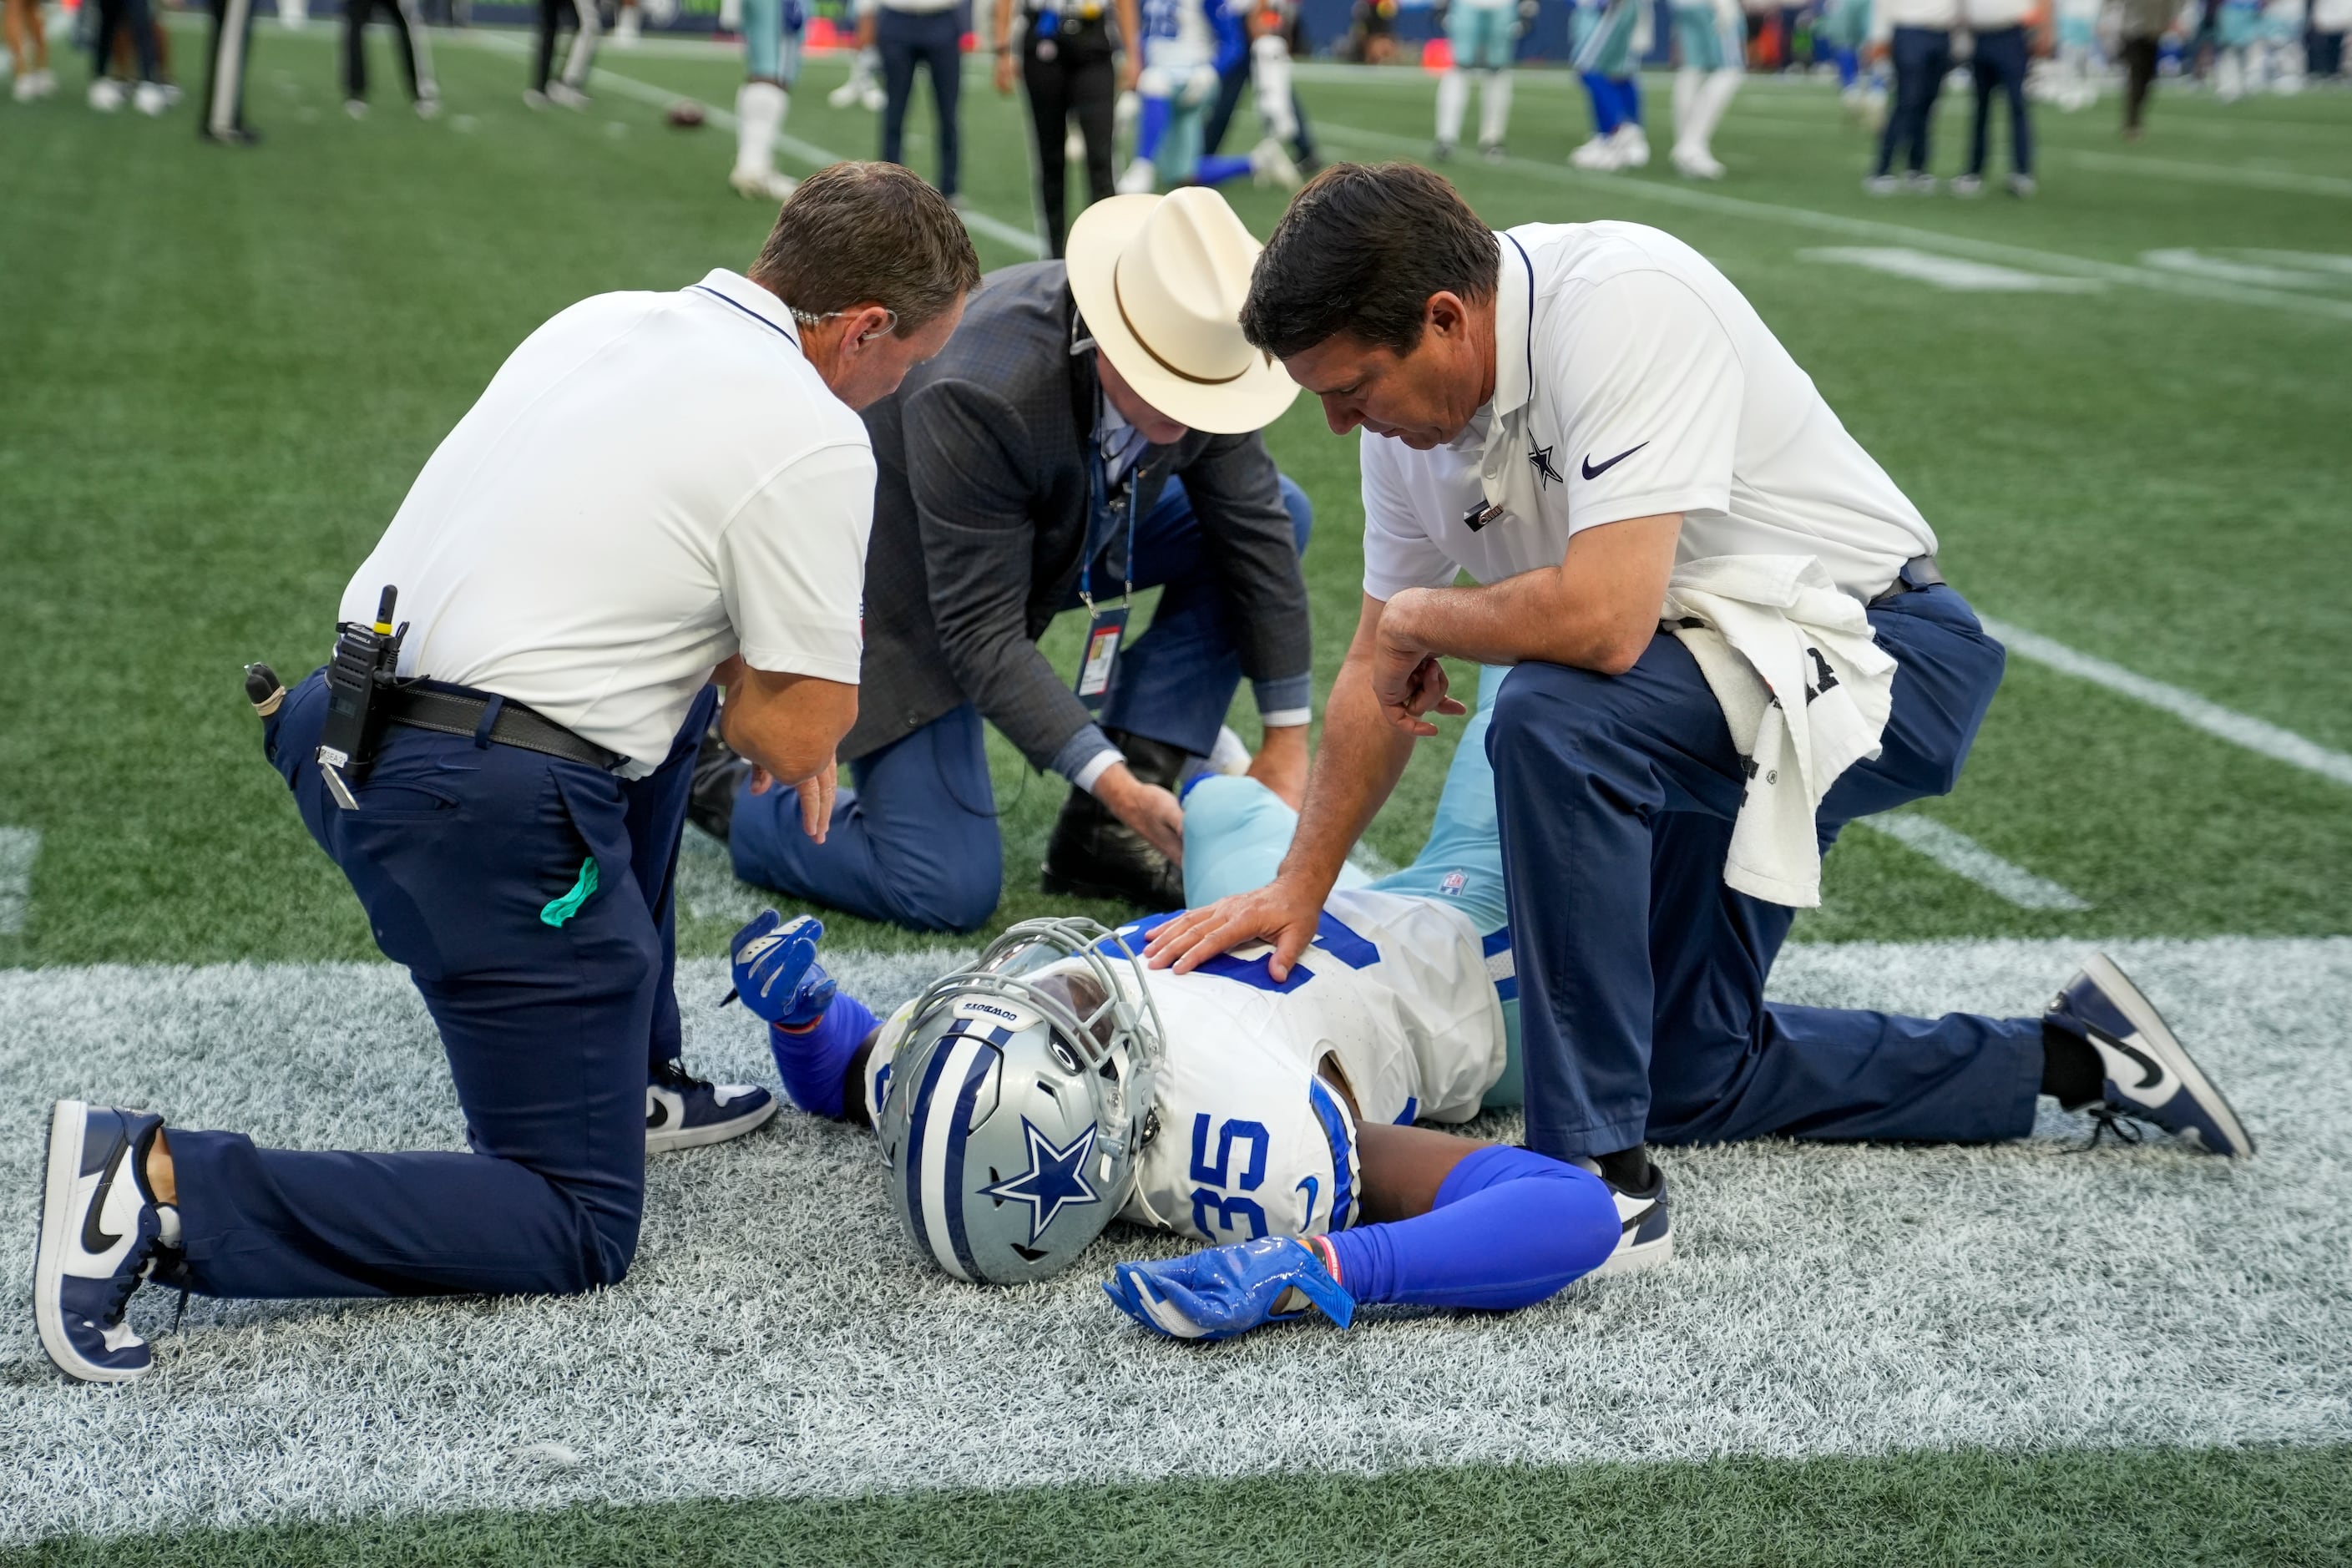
2149, 1078
684, 1112
1647, 1231
101, 1231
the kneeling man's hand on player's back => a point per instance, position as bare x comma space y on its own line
1284, 911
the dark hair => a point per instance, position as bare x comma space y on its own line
859, 232
1361, 251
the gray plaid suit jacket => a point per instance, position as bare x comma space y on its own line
980, 514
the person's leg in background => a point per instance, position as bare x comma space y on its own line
1091, 74
2015, 58
355, 21
586, 27
1046, 76
913, 839
106, 94
1984, 80
550, 14
894, 36
1933, 69
772, 58
28, 49
417, 58
1232, 82
941, 51
2140, 75
223, 120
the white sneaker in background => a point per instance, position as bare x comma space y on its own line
356, 108
106, 95
1139, 179
762, 184
564, 93
428, 109
1695, 165
1632, 144
1270, 165
1597, 156
151, 99
1966, 185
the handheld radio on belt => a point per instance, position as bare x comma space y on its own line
366, 658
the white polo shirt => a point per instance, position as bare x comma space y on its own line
650, 484
1649, 386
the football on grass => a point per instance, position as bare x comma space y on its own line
685, 113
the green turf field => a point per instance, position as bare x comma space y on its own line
219, 371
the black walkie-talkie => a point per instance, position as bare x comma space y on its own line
366, 658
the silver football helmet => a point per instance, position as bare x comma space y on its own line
1021, 1099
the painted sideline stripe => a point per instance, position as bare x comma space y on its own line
1874, 229
2212, 173
2226, 724
1964, 857
19, 847
809, 152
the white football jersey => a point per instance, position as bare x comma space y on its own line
1395, 994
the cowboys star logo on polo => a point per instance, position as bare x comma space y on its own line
1055, 1179
1545, 473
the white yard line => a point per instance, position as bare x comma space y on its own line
19, 847
2208, 174
1964, 857
2254, 734
778, 1336
1687, 197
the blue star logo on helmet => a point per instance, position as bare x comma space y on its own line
1055, 1179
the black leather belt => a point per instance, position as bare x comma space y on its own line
1918, 573
460, 711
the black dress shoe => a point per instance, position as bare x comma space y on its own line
1094, 855
718, 775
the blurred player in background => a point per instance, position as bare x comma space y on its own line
2144, 23
772, 66
1845, 28
1608, 37
1182, 45
631, 24
416, 55
1485, 37
134, 20
2076, 64
1996, 66
224, 106
864, 87
1276, 35
1916, 36
28, 49
546, 88
1713, 36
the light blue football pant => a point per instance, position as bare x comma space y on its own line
1236, 832
771, 51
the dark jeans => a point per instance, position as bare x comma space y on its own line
1079, 82
140, 17
463, 855
1642, 975
934, 40
1999, 66
356, 15
2139, 76
1921, 56
914, 841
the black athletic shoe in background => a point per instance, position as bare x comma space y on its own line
1094, 855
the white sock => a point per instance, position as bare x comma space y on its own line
1494, 108
759, 113
1270, 85
1452, 98
1715, 95
1686, 82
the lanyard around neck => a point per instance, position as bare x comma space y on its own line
1098, 496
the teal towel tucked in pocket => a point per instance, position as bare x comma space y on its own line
558, 911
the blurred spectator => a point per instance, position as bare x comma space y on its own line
416, 55
1998, 66
2330, 19
1066, 56
1372, 32
2144, 22
564, 89
28, 49
925, 33
1916, 35
108, 93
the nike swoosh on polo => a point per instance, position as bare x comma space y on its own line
1590, 472
94, 1239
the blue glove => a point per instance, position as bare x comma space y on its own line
1221, 1291
776, 971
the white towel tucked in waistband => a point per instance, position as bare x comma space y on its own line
1805, 689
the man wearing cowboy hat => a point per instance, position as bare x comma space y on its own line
1091, 429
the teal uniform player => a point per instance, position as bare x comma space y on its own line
772, 66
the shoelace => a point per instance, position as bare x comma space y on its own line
2104, 1119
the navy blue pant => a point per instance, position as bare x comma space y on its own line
914, 839
1642, 975
934, 40
1999, 67
1229, 99
456, 851
1922, 58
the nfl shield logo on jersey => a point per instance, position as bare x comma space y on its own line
1452, 884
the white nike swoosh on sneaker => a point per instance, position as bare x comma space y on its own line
2129, 1063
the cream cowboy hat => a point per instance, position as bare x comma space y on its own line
1160, 281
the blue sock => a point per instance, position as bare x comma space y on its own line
1510, 1227
1150, 126
1216, 168
1604, 101
813, 1061
1849, 66
1629, 100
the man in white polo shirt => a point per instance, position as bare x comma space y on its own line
655, 488
1577, 415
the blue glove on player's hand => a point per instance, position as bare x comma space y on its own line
776, 971
1221, 1291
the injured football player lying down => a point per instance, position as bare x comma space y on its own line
1024, 1101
